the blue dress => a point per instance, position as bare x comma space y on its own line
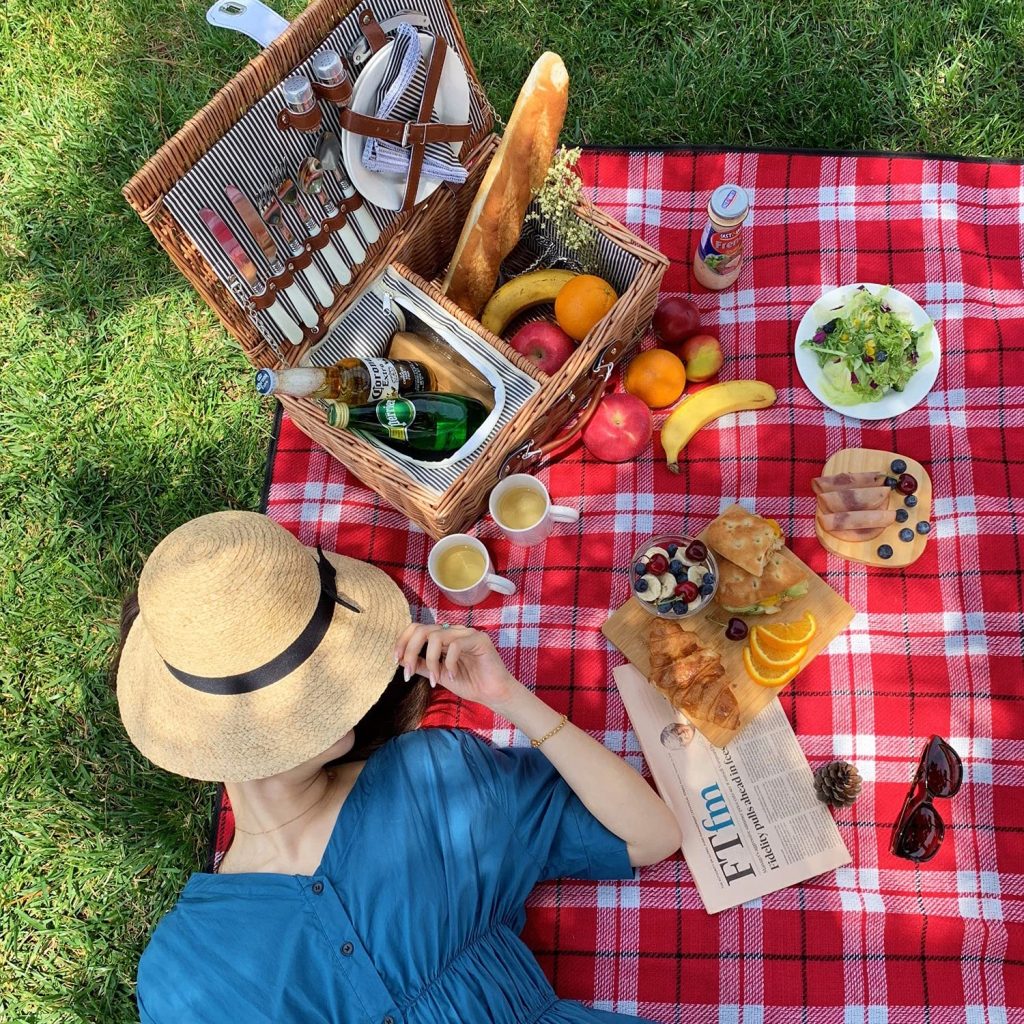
414, 914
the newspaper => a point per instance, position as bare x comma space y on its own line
750, 820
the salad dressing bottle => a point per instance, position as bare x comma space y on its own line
719, 256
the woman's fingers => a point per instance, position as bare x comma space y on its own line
415, 637
451, 658
436, 642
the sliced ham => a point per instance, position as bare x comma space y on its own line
863, 519
846, 481
853, 499
857, 536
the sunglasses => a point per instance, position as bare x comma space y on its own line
919, 831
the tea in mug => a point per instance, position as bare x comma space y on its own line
519, 508
460, 566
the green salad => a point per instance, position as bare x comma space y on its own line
867, 349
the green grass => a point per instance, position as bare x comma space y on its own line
125, 409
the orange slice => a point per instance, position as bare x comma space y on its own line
774, 658
767, 676
789, 634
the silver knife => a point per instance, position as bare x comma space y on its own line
245, 266
259, 232
273, 217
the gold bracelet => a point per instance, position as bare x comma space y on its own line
547, 736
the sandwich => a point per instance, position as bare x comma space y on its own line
513, 177
743, 593
744, 539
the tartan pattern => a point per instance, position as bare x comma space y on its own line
935, 648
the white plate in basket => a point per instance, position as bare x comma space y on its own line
893, 403
387, 189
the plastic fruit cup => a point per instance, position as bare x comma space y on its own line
682, 543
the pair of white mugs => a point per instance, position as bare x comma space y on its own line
537, 532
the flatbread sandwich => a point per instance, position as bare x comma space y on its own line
742, 593
744, 539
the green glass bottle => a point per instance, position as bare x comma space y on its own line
428, 426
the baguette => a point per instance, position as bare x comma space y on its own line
514, 176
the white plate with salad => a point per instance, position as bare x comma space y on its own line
867, 351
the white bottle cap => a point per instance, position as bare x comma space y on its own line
729, 203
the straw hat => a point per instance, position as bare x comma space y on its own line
250, 656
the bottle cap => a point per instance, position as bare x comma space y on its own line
328, 68
266, 382
337, 414
729, 204
298, 94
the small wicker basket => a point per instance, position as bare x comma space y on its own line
422, 242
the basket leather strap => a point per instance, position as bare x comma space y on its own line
438, 53
371, 28
407, 132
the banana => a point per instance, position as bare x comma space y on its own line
521, 293
706, 405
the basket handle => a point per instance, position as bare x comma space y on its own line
528, 456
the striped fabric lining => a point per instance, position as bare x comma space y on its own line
247, 155
366, 328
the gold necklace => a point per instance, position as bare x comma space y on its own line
315, 803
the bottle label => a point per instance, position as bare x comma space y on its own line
384, 378
412, 376
397, 415
721, 251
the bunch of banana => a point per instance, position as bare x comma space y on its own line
706, 405
520, 294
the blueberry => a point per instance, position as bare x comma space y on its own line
902, 515
673, 548
884, 551
924, 527
640, 586
906, 535
910, 500
680, 607
898, 466
830, 326
665, 606
639, 568
881, 355
891, 481
709, 579
707, 590
676, 567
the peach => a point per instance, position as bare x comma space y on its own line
545, 343
702, 355
620, 429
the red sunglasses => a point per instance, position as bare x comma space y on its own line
919, 831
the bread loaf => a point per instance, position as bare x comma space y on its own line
514, 176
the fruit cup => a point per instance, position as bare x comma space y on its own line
665, 571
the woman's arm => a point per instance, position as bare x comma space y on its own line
466, 662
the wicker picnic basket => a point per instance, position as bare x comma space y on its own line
420, 242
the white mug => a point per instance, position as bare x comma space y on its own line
541, 529
476, 591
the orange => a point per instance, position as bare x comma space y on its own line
656, 377
581, 303
766, 675
788, 634
773, 658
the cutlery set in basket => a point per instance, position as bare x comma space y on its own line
316, 203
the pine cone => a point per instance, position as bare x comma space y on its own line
837, 783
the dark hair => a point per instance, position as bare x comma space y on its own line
399, 708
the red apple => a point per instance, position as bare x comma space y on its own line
620, 429
545, 343
703, 357
675, 320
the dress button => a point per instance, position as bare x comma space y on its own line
347, 948
389, 1020
318, 887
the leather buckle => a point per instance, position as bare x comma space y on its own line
420, 138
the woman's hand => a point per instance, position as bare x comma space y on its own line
462, 659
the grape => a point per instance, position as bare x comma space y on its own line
736, 630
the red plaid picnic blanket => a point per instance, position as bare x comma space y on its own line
936, 648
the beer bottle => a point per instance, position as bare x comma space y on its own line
431, 426
353, 381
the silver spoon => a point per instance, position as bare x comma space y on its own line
270, 208
287, 192
311, 183
328, 152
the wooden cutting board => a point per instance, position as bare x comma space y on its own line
627, 630
904, 553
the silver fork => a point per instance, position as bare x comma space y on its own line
272, 213
288, 193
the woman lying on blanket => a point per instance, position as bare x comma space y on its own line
378, 873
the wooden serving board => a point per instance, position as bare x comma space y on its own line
904, 553
627, 630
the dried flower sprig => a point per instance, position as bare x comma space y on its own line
557, 200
